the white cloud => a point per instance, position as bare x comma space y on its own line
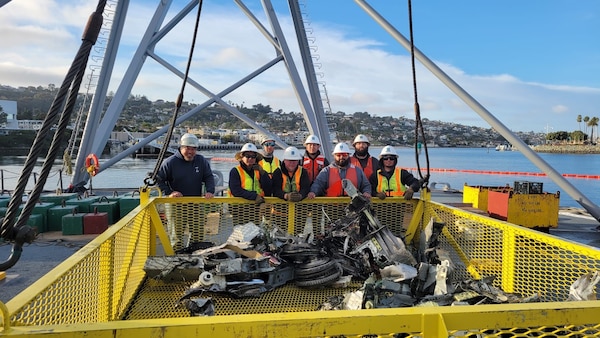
359, 74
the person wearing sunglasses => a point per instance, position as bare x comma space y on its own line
270, 164
248, 180
391, 179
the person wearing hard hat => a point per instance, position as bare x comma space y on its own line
391, 179
329, 181
294, 179
313, 161
361, 157
185, 173
248, 179
270, 163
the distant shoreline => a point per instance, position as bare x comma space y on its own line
567, 149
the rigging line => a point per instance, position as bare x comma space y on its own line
151, 180
20, 233
419, 122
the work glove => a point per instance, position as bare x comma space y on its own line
381, 195
259, 199
294, 196
259, 168
408, 194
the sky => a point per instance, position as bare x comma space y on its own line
534, 65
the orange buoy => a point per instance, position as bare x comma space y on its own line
92, 165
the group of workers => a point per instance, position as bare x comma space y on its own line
293, 178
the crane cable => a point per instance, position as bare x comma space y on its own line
17, 230
419, 124
150, 180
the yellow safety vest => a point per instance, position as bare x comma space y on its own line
392, 186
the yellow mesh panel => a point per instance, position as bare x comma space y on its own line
105, 283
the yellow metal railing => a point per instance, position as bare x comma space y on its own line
97, 291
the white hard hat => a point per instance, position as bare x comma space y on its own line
341, 148
360, 138
388, 150
312, 139
265, 139
248, 147
189, 140
292, 153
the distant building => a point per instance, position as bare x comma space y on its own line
10, 108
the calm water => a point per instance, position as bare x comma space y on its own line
130, 173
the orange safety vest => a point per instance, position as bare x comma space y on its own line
270, 167
313, 167
249, 183
335, 188
392, 186
287, 185
368, 169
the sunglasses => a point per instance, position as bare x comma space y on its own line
249, 155
387, 158
269, 144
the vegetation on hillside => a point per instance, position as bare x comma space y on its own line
142, 115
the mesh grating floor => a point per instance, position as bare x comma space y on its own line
158, 299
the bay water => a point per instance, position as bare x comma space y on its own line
130, 173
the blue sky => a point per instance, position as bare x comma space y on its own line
534, 65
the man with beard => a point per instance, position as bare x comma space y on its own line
329, 181
271, 164
362, 159
185, 173
313, 161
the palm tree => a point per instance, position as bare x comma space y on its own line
579, 121
586, 120
593, 123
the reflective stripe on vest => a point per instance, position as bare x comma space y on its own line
288, 185
368, 169
313, 167
392, 186
249, 183
270, 167
335, 188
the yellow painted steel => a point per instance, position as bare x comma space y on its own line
533, 210
102, 290
478, 195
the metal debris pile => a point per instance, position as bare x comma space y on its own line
258, 258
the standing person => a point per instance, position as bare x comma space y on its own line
361, 157
313, 161
248, 179
271, 164
391, 179
329, 181
185, 173
294, 179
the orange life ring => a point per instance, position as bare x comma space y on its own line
92, 165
